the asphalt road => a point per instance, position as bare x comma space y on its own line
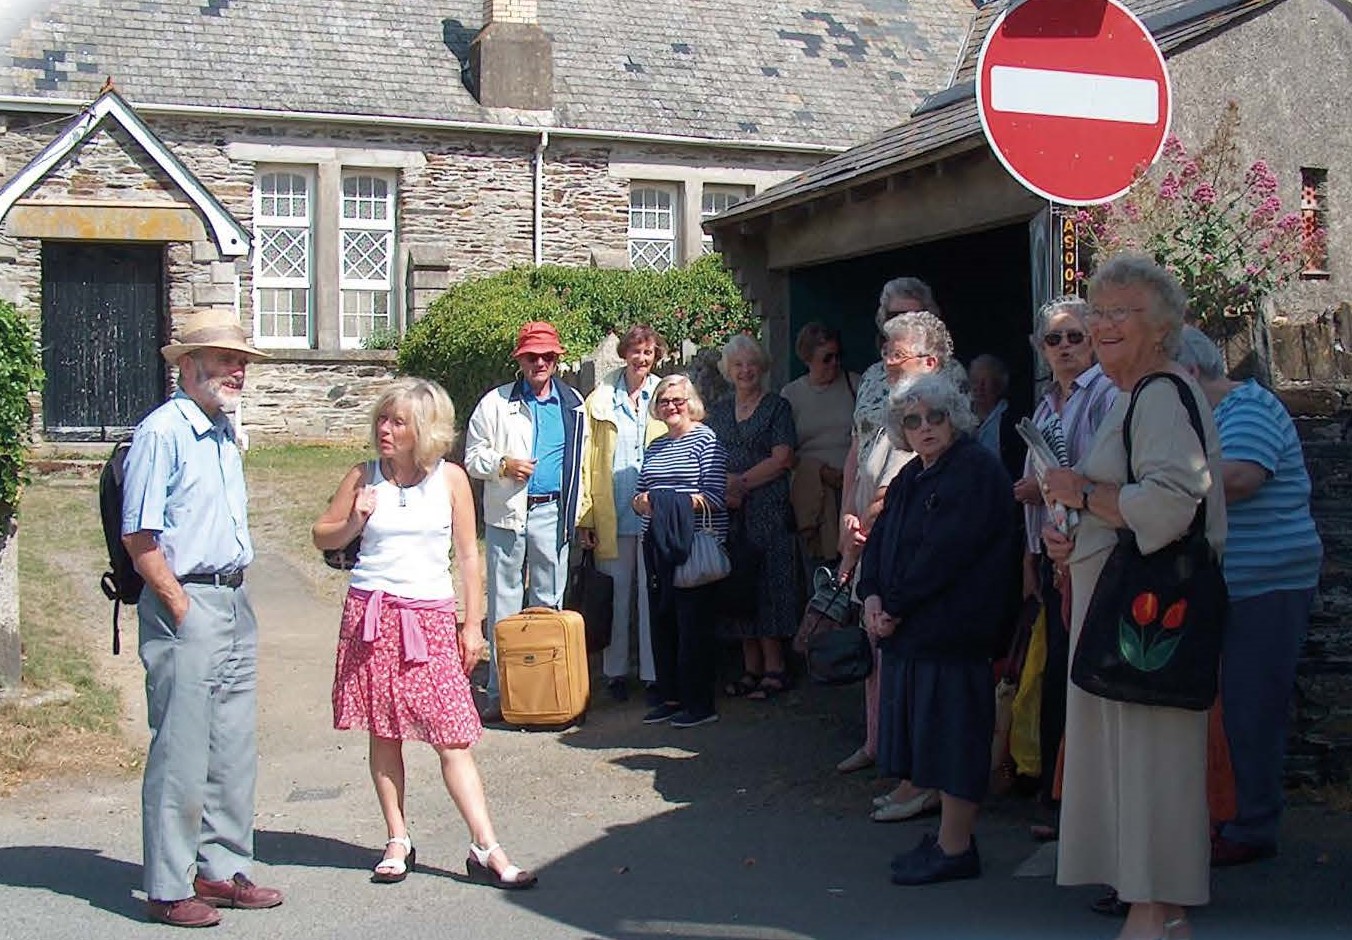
732, 831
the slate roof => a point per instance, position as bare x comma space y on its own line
767, 70
948, 121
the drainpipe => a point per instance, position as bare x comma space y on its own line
539, 235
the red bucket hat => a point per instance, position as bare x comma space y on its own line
537, 337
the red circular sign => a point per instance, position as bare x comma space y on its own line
1074, 97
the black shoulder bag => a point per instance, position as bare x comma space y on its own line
1152, 633
345, 558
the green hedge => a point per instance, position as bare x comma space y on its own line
20, 375
466, 338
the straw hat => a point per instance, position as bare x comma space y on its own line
209, 328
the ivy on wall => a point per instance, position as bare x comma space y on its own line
20, 376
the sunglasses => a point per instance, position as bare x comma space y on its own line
934, 417
550, 358
671, 402
1072, 338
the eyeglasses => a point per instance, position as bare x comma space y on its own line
900, 358
1113, 314
549, 357
671, 402
1072, 338
934, 417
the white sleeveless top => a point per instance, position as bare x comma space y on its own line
406, 549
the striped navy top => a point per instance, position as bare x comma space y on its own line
1271, 543
693, 463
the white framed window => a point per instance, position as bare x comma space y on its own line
283, 262
366, 260
717, 198
652, 226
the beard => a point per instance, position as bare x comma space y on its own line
222, 396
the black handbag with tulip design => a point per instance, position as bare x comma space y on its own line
1152, 633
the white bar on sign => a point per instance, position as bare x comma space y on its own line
1075, 95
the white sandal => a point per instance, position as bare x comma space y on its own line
390, 871
510, 878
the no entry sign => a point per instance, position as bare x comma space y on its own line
1074, 97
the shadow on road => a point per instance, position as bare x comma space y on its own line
763, 840
84, 874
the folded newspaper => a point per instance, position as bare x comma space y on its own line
1047, 451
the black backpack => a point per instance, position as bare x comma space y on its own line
121, 584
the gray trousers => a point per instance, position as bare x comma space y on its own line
530, 568
197, 797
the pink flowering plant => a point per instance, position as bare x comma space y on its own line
1222, 232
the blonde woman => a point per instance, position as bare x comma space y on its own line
404, 660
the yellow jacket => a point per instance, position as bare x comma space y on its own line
598, 462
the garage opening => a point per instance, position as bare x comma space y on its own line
982, 282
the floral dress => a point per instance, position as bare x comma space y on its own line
765, 513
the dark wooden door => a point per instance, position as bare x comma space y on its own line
102, 328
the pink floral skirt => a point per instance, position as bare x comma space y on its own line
376, 689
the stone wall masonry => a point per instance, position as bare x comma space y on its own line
109, 166
314, 401
1321, 745
585, 210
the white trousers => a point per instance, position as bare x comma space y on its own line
628, 571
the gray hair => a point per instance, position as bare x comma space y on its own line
1171, 304
743, 345
694, 402
997, 367
1198, 351
925, 330
934, 389
1067, 303
898, 287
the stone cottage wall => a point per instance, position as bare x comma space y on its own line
465, 208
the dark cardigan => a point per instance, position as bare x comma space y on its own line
939, 554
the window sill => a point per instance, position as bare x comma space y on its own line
343, 356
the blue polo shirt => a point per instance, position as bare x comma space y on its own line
185, 482
547, 417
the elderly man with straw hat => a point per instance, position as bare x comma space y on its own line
525, 441
184, 523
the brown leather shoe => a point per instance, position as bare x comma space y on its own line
237, 892
189, 912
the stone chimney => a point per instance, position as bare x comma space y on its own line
511, 63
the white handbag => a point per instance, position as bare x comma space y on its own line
708, 560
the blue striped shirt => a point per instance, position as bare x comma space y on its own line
695, 462
1272, 544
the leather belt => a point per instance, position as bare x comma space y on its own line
541, 499
230, 579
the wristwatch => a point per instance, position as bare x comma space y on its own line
1085, 491
502, 465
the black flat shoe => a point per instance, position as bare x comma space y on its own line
1110, 905
929, 864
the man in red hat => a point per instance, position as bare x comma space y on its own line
525, 442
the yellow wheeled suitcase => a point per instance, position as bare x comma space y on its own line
542, 667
